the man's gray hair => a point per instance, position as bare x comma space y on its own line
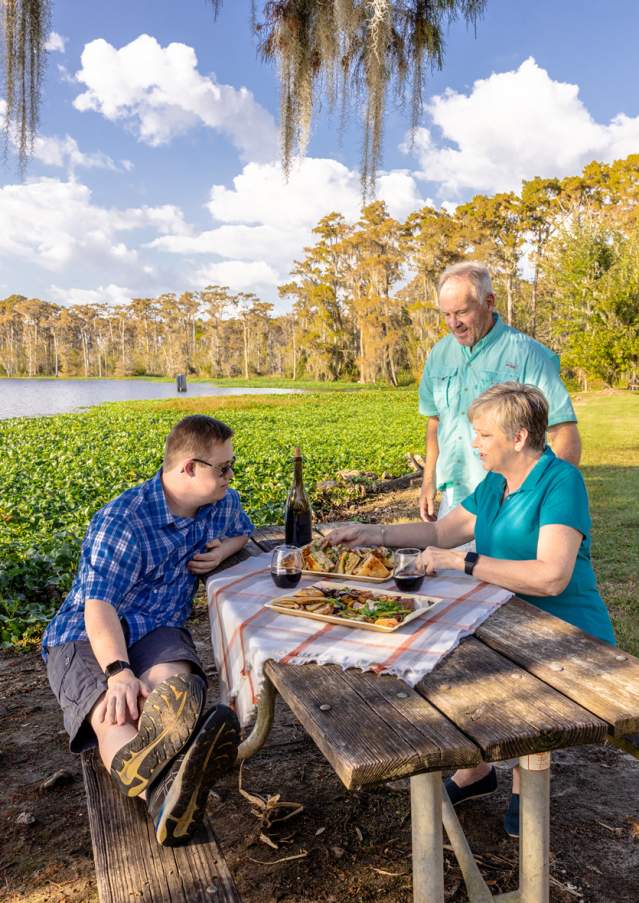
472, 271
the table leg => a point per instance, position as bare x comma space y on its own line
263, 723
478, 890
534, 850
428, 852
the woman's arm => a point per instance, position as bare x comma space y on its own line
453, 530
546, 575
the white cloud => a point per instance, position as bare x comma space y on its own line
158, 92
64, 152
104, 294
55, 226
266, 221
513, 126
239, 275
55, 43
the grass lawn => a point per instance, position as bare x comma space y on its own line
609, 425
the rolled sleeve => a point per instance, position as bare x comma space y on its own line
237, 521
112, 562
427, 405
543, 372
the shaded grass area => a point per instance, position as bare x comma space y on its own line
609, 424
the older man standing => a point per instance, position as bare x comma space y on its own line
479, 352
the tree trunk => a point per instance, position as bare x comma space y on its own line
509, 297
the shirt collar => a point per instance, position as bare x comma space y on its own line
540, 468
160, 512
156, 502
491, 336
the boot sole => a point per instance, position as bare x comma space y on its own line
212, 754
170, 715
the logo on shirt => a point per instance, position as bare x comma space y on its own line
511, 365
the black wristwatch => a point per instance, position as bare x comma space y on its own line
116, 667
469, 563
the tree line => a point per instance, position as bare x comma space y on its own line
564, 255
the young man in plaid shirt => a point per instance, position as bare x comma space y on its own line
119, 659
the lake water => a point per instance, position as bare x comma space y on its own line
36, 397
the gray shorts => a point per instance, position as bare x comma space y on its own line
78, 682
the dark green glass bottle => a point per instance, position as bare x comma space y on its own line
297, 513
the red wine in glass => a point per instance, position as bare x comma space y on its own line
408, 582
286, 579
286, 566
408, 576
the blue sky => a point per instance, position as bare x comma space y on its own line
157, 170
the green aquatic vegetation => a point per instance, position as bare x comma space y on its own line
56, 472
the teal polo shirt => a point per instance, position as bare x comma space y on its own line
552, 493
455, 375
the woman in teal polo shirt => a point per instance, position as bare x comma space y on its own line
530, 521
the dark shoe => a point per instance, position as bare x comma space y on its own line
511, 818
177, 800
168, 720
483, 787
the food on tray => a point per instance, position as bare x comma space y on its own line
384, 610
340, 559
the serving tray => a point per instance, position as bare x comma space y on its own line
359, 578
420, 605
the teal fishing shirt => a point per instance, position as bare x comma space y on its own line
552, 493
455, 375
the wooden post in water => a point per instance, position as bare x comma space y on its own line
180, 381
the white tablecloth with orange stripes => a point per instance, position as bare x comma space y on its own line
245, 635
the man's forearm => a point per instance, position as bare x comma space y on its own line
432, 448
104, 632
566, 442
232, 545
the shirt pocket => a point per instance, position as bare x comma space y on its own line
444, 389
488, 378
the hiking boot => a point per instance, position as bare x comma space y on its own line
168, 720
176, 801
483, 787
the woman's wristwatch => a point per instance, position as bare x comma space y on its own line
469, 563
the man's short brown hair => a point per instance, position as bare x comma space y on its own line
193, 437
516, 406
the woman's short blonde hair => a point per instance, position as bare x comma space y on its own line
516, 406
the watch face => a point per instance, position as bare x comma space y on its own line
115, 668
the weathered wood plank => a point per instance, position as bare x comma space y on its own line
598, 676
365, 729
505, 710
131, 865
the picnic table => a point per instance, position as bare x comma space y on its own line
525, 684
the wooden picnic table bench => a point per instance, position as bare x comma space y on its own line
525, 684
130, 865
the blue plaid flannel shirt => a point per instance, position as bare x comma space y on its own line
134, 557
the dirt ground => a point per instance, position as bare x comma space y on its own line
345, 847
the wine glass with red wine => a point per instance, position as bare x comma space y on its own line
408, 575
286, 566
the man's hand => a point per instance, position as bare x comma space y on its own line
121, 700
427, 499
433, 559
204, 562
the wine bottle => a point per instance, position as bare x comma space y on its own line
297, 513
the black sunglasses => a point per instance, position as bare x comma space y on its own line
220, 469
